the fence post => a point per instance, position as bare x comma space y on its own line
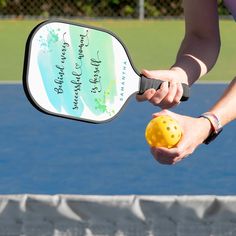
141, 9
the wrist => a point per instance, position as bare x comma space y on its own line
193, 67
181, 74
215, 126
206, 128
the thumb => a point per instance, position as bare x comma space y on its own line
160, 113
156, 74
147, 73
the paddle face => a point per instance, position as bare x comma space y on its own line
77, 72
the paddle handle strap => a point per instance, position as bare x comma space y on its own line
146, 84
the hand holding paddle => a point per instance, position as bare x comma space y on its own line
172, 90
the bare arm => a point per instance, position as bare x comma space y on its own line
225, 107
197, 54
200, 47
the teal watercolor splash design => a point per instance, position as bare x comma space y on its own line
54, 67
77, 70
46, 43
108, 96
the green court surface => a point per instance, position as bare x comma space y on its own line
152, 44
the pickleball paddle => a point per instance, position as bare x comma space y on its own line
80, 72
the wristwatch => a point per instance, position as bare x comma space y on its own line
215, 125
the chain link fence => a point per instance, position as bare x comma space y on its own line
93, 8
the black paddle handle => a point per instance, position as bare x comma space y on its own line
146, 84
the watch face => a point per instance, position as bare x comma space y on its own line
212, 136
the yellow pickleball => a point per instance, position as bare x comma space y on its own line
163, 131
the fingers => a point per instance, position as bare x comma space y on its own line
147, 95
194, 131
162, 112
156, 74
170, 92
163, 156
179, 93
160, 94
167, 96
169, 156
149, 74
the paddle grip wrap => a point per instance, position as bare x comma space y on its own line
146, 84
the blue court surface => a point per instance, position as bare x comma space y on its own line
43, 154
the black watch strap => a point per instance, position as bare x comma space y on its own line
215, 124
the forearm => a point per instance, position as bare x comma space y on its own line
196, 57
225, 107
200, 47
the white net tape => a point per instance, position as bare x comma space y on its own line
75, 215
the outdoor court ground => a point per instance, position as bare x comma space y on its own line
42, 154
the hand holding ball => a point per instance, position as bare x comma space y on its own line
163, 131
